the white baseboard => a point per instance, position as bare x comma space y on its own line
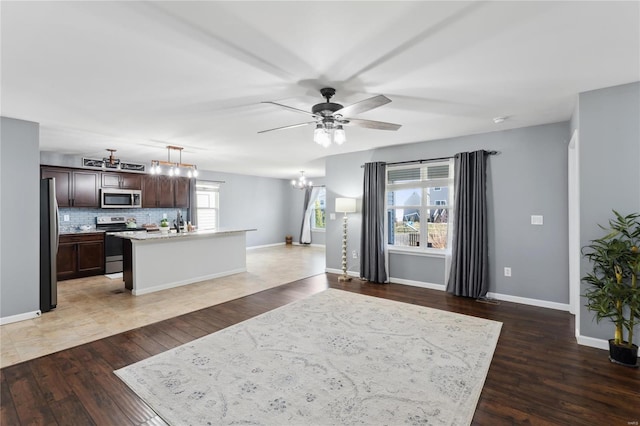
498, 296
339, 272
532, 302
281, 244
310, 245
594, 343
265, 246
20, 317
422, 284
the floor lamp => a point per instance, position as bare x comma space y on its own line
345, 205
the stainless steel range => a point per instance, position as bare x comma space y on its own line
114, 246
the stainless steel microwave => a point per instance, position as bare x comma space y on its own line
120, 198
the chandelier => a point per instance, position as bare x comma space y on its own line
173, 168
328, 131
302, 182
111, 161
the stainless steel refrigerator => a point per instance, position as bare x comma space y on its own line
49, 235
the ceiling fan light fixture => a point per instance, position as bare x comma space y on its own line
322, 135
330, 117
339, 136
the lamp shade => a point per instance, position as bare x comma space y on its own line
345, 205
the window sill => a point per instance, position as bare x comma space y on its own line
318, 230
419, 252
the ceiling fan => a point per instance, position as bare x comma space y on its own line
329, 117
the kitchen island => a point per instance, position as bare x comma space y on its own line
154, 261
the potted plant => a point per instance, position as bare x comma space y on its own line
164, 226
613, 291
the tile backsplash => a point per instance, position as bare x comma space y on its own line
82, 216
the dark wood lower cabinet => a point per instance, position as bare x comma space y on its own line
80, 255
67, 260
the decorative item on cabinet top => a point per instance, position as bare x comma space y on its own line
111, 162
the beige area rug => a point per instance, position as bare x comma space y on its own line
332, 358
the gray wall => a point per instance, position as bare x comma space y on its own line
609, 134
19, 217
254, 202
528, 177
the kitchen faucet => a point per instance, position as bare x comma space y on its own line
178, 221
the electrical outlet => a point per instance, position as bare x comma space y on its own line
332, 216
354, 254
507, 272
164, 215
65, 218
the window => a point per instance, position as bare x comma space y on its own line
318, 214
207, 200
415, 218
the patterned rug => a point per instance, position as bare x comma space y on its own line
332, 358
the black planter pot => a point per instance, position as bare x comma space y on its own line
623, 355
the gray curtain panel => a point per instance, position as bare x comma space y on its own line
307, 198
470, 259
372, 244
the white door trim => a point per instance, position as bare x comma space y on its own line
574, 228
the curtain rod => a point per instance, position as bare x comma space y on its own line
427, 160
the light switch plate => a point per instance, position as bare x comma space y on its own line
332, 216
536, 219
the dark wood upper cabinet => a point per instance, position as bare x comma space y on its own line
85, 189
166, 185
63, 184
121, 180
81, 187
182, 193
149, 191
165, 192
74, 188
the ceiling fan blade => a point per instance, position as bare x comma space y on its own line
291, 108
365, 105
288, 127
370, 124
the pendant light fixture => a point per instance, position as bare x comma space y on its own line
111, 161
173, 168
302, 182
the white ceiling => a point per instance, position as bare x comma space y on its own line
138, 76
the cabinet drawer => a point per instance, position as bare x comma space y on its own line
80, 238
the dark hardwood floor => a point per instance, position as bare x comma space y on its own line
538, 375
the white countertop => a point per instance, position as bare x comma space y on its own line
80, 231
154, 236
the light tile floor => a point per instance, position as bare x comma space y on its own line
96, 307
